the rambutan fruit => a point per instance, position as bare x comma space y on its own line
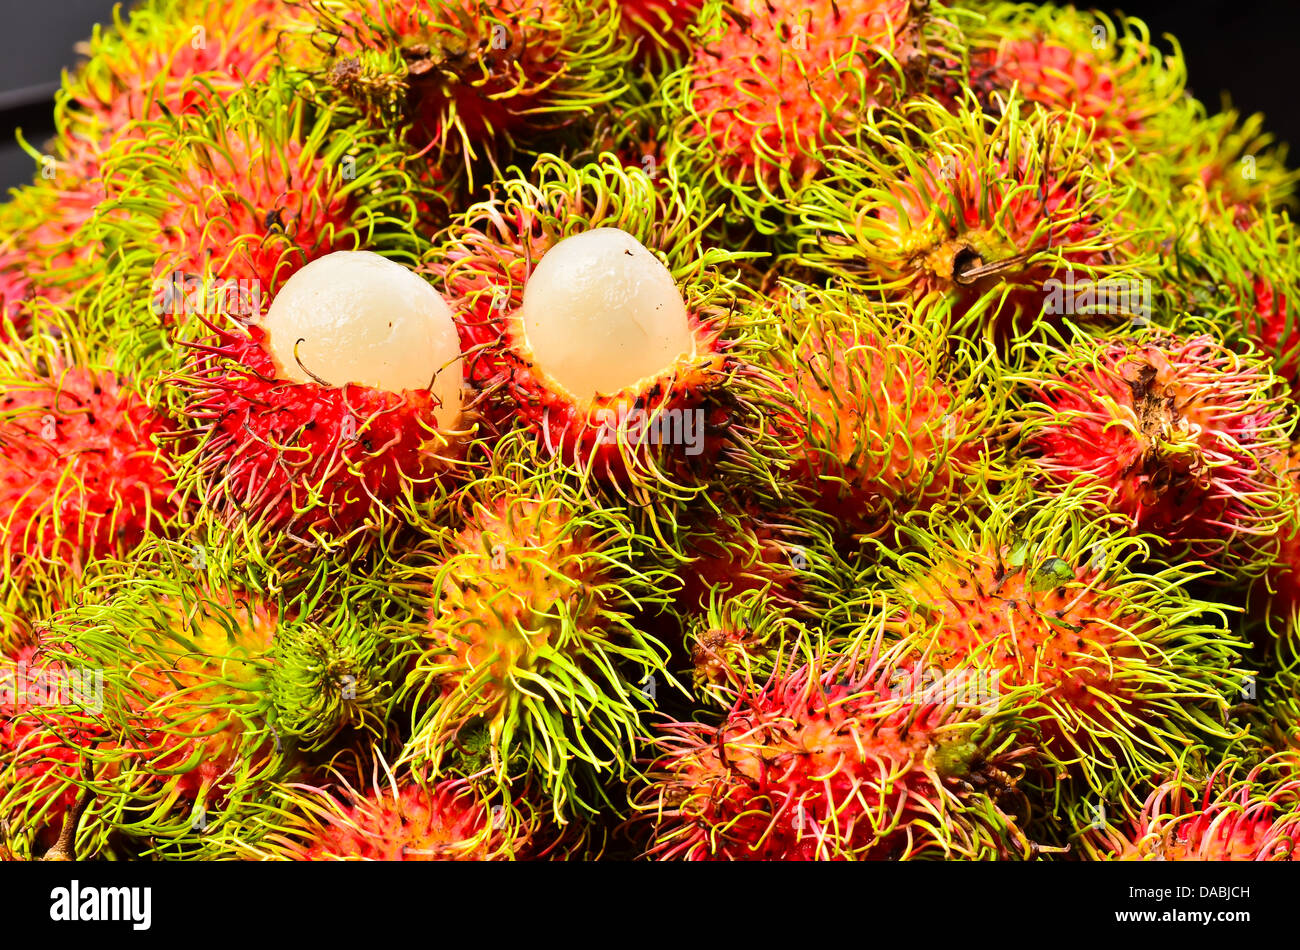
1105, 71
1226, 817
591, 312
742, 544
167, 57
833, 756
528, 631
659, 27
770, 85
345, 400
1179, 432
1125, 669
471, 79
398, 819
82, 471
1242, 269
212, 212
982, 208
188, 724
875, 412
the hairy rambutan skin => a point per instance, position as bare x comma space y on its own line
1123, 666
187, 730
82, 473
167, 57
771, 85
323, 464
738, 638
875, 413
211, 212
831, 757
1226, 817
399, 818
39, 748
463, 80
481, 265
981, 208
529, 631
1104, 70
1180, 432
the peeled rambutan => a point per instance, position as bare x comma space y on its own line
1178, 431
345, 400
529, 631
832, 756
590, 311
1119, 667
1255, 817
82, 473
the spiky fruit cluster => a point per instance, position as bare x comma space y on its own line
874, 413
1118, 668
831, 757
893, 399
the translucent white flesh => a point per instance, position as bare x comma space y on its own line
600, 313
356, 317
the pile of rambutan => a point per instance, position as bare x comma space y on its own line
478, 429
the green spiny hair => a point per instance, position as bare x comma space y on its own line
466, 82
877, 409
527, 632
186, 733
975, 205
738, 639
1127, 667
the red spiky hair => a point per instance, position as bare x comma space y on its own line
311, 460
771, 84
1253, 819
82, 474
1180, 431
405, 820
831, 758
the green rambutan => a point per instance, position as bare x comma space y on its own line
186, 730
528, 631
832, 757
981, 207
1125, 669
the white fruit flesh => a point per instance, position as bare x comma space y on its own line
356, 317
600, 313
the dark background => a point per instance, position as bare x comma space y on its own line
1250, 48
